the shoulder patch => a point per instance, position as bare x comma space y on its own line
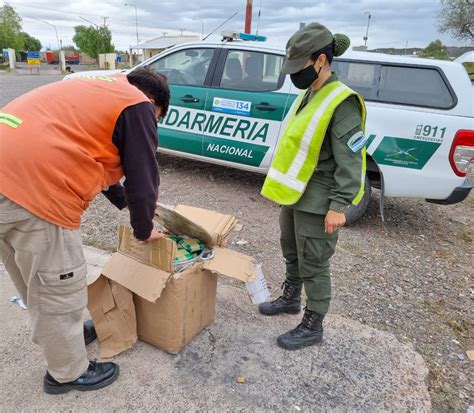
357, 141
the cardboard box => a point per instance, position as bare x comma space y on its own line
170, 308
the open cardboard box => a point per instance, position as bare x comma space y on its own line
139, 296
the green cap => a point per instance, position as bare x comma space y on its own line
305, 42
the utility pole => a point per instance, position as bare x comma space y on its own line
181, 30
367, 32
136, 18
406, 48
248, 16
105, 18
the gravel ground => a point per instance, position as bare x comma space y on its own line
411, 276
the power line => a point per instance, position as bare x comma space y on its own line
85, 14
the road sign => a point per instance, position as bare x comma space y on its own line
33, 58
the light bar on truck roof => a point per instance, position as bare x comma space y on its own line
231, 35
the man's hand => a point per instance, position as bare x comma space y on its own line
155, 235
333, 221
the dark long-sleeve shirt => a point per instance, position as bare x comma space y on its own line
136, 138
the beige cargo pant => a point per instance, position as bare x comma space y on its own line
46, 263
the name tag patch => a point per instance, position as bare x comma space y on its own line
357, 141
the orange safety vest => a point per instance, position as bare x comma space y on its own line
56, 150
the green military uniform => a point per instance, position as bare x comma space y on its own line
335, 183
318, 166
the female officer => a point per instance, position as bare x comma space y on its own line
317, 171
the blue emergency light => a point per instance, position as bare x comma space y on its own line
230, 35
252, 37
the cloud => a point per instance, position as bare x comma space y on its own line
392, 24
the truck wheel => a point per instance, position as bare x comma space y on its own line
353, 213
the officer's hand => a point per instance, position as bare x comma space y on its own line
333, 221
155, 235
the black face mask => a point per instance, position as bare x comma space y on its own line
305, 78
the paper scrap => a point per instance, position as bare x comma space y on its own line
18, 300
241, 379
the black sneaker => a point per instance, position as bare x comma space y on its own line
97, 376
307, 333
89, 332
289, 302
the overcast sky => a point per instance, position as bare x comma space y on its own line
392, 23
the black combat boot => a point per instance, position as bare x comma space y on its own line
289, 302
308, 332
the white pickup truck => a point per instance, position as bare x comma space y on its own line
229, 102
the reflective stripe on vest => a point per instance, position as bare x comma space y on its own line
10, 120
297, 154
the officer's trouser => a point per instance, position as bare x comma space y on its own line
46, 263
307, 250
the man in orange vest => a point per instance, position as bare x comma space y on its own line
60, 145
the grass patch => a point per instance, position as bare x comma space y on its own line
460, 329
443, 396
4, 67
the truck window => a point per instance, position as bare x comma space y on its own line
361, 77
186, 67
414, 86
252, 71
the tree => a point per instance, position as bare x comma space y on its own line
436, 50
457, 18
70, 48
10, 27
93, 41
30, 43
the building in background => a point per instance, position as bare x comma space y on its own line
145, 50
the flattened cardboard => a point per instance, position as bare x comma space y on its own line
218, 225
158, 253
113, 311
144, 280
232, 264
186, 306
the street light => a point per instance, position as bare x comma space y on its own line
202, 26
136, 17
55, 29
367, 32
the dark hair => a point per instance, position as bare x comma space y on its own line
154, 85
327, 50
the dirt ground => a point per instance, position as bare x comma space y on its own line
410, 275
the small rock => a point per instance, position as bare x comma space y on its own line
470, 354
242, 242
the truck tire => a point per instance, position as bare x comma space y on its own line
353, 213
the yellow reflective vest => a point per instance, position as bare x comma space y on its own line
297, 154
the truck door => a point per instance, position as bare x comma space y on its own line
245, 107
